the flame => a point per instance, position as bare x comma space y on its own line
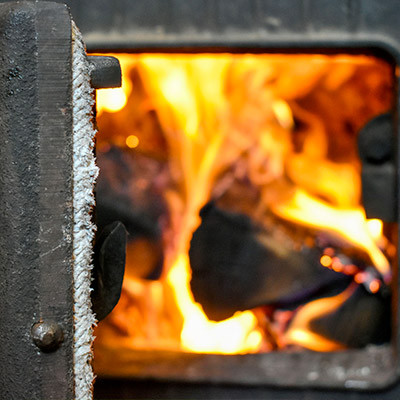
348, 223
375, 228
238, 334
299, 331
283, 113
111, 100
182, 103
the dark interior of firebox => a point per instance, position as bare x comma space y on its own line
256, 191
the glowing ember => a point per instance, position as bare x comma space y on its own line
326, 261
132, 141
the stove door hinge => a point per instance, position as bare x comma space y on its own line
378, 170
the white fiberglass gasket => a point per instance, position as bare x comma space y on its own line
85, 173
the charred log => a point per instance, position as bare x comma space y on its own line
238, 266
108, 272
128, 190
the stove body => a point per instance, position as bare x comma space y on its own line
256, 27
266, 26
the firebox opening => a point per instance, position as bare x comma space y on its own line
253, 233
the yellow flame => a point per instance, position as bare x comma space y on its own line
339, 183
111, 100
348, 223
283, 113
375, 228
237, 334
188, 109
177, 91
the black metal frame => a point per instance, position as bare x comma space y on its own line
36, 202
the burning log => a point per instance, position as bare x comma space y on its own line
238, 266
363, 319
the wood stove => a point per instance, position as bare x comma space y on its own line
238, 27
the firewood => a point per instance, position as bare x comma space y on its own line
122, 196
238, 266
362, 319
108, 272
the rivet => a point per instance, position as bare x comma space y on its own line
47, 335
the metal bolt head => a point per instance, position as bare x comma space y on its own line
47, 335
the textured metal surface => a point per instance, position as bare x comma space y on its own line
149, 389
367, 369
35, 198
248, 24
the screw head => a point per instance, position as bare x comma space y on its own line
47, 335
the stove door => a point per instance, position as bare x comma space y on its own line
40, 357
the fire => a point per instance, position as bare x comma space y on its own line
299, 332
375, 228
251, 117
111, 100
238, 334
180, 101
283, 113
348, 223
